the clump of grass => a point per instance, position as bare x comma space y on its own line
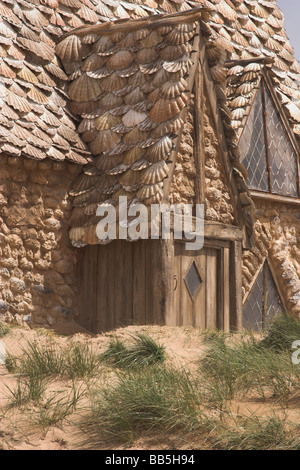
282, 332
54, 410
29, 388
81, 362
211, 336
145, 399
49, 360
256, 433
233, 371
143, 352
4, 329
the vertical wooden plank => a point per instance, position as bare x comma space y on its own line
187, 303
226, 283
102, 289
211, 288
111, 319
139, 282
236, 304
162, 265
199, 310
126, 271
149, 280
120, 280
199, 143
170, 283
174, 316
90, 288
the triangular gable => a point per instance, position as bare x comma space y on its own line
267, 152
131, 84
263, 302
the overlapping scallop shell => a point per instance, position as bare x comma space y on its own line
132, 155
171, 90
119, 60
76, 233
105, 140
107, 162
133, 118
84, 88
149, 190
105, 121
181, 34
71, 49
164, 109
160, 150
155, 173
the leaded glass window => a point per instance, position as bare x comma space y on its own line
263, 302
267, 152
283, 160
253, 147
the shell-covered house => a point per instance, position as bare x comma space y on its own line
167, 101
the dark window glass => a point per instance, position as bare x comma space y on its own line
263, 302
283, 162
253, 147
254, 306
273, 303
266, 150
193, 280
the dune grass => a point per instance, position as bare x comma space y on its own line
145, 399
4, 329
146, 395
143, 351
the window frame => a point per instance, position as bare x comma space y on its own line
265, 85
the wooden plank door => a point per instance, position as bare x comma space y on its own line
201, 296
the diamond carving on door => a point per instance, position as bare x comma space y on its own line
193, 280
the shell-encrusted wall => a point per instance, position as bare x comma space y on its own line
39, 281
278, 239
218, 205
183, 183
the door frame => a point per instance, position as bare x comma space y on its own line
224, 281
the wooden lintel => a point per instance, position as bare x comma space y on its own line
221, 231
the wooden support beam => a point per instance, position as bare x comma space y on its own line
211, 94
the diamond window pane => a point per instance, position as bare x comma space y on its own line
193, 280
263, 302
253, 147
254, 306
283, 160
274, 304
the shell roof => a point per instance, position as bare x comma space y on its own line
35, 119
118, 101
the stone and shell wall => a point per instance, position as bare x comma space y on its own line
38, 267
218, 205
277, 231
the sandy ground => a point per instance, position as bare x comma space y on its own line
18, 427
